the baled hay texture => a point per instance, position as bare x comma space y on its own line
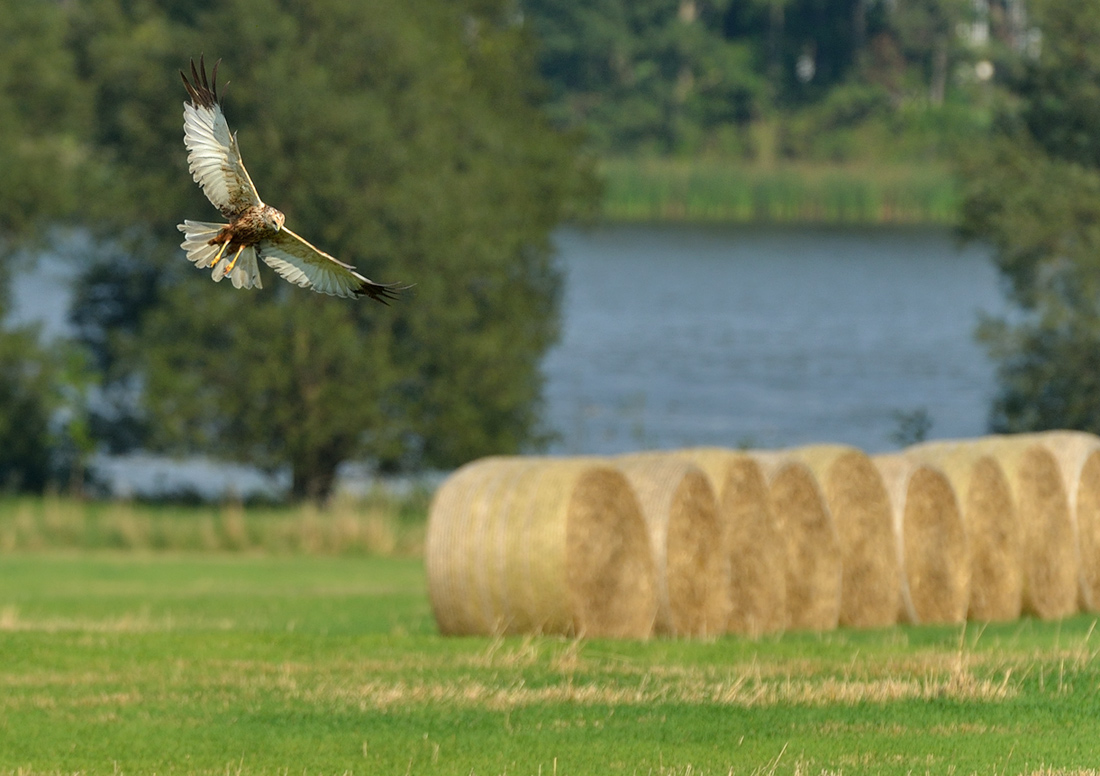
543, 545
1078, 456
934, 560
757, 551
1048, 547
860, 508
992, 526
813, 567
1088, 530
692, 569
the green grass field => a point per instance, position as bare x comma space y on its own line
237, 663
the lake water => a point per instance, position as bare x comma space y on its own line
767, 337
676, 336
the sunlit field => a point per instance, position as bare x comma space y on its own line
220, 662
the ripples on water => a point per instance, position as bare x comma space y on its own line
766, 337
673, 336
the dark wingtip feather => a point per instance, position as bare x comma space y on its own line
381, 292
203, 91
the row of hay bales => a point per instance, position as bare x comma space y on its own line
701, 542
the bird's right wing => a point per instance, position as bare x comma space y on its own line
212, 154
305, 265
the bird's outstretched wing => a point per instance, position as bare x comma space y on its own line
212, 154
299, 262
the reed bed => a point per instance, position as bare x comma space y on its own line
931, 541
754, 546
543, 545
860, 508
701, 191
811, 542
692, 566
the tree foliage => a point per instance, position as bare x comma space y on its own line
1033, 192
676, 76
405, 139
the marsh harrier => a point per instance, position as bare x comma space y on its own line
255, 230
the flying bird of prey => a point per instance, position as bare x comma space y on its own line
255, 230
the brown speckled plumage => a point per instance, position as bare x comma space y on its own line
255, 230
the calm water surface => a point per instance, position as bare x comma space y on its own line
768, 337
675, 336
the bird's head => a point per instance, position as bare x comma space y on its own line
273, 218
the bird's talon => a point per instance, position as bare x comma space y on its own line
233, 263
220, 252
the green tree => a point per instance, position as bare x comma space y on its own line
404, 138
1033, 192
651, 74
46, 167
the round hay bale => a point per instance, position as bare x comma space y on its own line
1088, 530
1078, 457
860, 508
1048, 545
756, 549
992, 527
931, 541
813, 568
692, 568
542, 545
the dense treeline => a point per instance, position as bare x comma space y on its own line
773, 78
1033, 192
438, 144
404, 138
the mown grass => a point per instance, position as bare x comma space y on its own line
233, 663
378, 524
718, 191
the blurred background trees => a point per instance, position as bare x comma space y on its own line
1033, 191
439, 144
405, 139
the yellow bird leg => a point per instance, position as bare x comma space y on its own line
234, 262
219, 256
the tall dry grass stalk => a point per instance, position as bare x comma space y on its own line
371, 526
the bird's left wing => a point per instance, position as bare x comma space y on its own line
305, 265
212, 154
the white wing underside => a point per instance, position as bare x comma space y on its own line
215, 161
299, 262
196, 241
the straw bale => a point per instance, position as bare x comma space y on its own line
860, 508
932, 551
813, 569
544, 545
757, 552
1048, 546
992, 525
1088, 531
692, 568
1078, 456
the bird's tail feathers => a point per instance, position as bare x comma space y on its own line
202, 253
